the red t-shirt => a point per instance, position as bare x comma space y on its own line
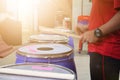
103, 11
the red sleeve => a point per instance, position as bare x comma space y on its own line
117, 4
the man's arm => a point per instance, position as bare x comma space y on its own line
112, 25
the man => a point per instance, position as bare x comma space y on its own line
103, 37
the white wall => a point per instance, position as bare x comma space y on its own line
77, 10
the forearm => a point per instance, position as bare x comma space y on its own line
112, 25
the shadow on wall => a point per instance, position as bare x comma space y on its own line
48, 10
11, 31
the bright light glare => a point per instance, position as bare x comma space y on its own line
12, 7
21, 7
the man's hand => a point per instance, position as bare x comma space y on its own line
89, 37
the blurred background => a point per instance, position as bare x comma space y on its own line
19, 19
30, 14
